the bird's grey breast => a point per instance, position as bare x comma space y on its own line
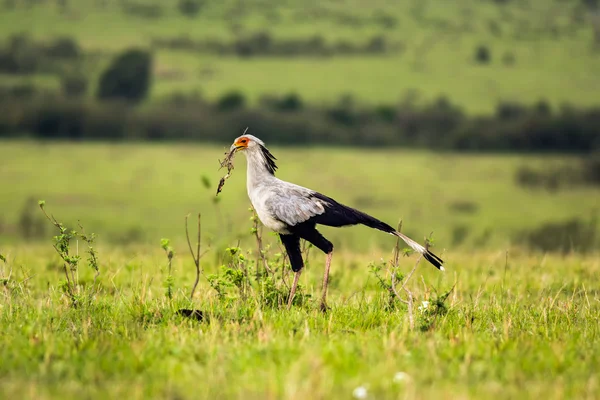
261, 198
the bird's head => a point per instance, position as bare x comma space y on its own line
255, 151
246, 142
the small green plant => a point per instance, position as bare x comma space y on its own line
93, 255
62, 245
431, 310
385, 283
165, 244
217, 283
4, 281
235, 272
227, 278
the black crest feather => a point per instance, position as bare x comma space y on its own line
269, 159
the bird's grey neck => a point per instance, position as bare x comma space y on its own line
258, 170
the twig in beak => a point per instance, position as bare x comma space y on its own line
228, 162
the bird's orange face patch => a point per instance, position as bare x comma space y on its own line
242, 142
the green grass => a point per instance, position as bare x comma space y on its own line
526, 329
439, 41
141, 192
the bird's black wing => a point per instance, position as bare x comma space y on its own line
337, 214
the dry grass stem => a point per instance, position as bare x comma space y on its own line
409, 296
195, 256
227, 162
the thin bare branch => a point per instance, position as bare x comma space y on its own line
409, 296
195, 256
198, 243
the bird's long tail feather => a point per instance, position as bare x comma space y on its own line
428, 255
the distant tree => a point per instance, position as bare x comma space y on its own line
290, 102
190, 8
128, 77
20, 56
483, 55
231, 101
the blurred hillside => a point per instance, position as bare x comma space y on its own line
471, 74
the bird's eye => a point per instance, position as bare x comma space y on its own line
244, 140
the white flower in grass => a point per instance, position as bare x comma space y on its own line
400, 377
360, 392
424, 306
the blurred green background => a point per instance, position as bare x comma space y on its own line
478, 120
476, 53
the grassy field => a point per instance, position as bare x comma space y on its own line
548, 41
528, 328
514, 323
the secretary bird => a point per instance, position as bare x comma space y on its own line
293, 211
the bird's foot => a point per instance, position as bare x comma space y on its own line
324, 307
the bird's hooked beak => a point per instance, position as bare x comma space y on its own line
241, 143
234, 149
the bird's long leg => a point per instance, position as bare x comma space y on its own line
326, 281
294, 286
292, 246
